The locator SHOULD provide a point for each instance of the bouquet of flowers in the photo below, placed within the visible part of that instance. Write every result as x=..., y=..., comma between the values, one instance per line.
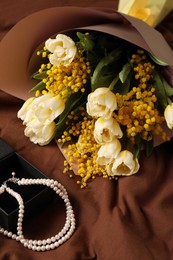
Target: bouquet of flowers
x=102, y=99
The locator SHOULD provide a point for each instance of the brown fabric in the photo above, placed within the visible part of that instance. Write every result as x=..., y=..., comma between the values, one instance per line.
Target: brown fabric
x=129, y=219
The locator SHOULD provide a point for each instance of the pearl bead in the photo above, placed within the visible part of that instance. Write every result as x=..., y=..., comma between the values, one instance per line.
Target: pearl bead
x=52, y=246
x=9, y=234
x=2, y=189
x=17, y=238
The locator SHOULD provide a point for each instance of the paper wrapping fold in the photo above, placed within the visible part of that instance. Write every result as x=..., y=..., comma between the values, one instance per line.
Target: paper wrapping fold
x=17, y=49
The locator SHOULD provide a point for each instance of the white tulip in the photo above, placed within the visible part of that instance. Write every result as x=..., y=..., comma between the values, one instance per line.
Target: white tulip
x=101, y=103
x=38, y=114
x=22, y=113
x=108, y=151
x=106, y=129
x=39, y=133
x=63, y=50
x=48, y=107
x=124, y=164
x=168, y=114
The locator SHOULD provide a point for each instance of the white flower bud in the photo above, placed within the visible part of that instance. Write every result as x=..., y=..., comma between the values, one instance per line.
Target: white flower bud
x=101, y=103
x=168, y=114
x=106, y=129
x=38, y=114
x=124, y=164
x=63, y=50
x=108, y=152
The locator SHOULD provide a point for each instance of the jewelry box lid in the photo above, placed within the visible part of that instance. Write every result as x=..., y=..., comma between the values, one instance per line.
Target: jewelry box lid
x=5, y=149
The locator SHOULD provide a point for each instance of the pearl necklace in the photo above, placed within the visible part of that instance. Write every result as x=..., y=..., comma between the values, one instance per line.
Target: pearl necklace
x=45, y=244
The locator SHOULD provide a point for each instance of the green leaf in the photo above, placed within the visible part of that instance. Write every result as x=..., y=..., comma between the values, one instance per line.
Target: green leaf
x=85, y=41
x=157, y=60
x=160, y=89
x=113, y=83
x=70, y=104
x=125, y=72
x=149, y=147
x=103, y=81
x=123, y=88
x=103, y=73
x=168, y=88
x=40, y=86
x=138, y=146
x=39, y=75
x=136, y=153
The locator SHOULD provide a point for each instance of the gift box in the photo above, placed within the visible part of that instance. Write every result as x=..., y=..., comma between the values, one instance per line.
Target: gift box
x=35, y=197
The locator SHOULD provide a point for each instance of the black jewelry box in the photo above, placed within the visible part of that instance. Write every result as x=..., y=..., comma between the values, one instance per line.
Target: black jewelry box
x=35, y=197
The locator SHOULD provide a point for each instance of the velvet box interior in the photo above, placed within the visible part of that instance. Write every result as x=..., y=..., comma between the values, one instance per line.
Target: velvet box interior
x=35, y=197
